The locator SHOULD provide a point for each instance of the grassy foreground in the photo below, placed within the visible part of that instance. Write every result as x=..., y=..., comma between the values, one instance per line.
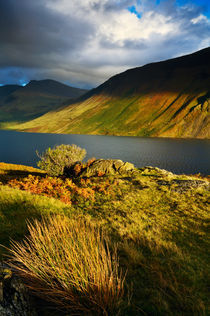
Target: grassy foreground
x=158, y=219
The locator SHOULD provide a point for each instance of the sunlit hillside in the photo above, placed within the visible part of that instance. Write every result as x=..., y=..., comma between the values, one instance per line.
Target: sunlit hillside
x=165, y=99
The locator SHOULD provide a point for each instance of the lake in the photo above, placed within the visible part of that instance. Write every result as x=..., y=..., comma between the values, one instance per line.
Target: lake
x=177, y=155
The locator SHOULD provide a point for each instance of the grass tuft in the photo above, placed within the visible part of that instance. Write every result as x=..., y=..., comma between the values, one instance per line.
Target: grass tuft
x=69, y=262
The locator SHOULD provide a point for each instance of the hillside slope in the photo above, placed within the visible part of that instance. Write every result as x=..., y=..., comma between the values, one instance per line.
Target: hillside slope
x=164, y=99
x=35, y=99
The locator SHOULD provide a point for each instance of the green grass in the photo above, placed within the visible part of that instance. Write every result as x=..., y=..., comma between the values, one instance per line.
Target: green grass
x=160, y=228
x=8, y=124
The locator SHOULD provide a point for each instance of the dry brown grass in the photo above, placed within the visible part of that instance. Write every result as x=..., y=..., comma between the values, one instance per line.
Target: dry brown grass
x=69, y=262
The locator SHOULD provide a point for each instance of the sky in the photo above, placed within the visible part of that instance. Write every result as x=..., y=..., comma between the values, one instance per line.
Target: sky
x=84, y=42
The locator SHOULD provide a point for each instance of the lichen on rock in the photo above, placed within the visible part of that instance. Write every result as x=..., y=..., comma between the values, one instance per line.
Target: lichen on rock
x=109, y=167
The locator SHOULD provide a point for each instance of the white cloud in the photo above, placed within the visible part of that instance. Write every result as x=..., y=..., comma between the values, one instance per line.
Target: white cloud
x=199, y=18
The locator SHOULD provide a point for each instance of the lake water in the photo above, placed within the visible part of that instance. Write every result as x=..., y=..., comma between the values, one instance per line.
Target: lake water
x=177, y=155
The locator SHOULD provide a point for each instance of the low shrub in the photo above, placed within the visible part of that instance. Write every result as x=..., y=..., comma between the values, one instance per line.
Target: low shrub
x=69, y=262
x=65, y=190
x=55, y=159
x=68, y=191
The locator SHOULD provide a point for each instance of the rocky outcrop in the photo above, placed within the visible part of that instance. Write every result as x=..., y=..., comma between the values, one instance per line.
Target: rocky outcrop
x=155, y=171
x=172, y=181
x=182, y=185
x=14, y=297
x=108, y=167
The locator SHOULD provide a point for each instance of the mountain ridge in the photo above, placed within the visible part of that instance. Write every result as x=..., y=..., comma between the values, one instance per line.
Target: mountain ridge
x=27, y=102
x=54, y=87
x=165, y=99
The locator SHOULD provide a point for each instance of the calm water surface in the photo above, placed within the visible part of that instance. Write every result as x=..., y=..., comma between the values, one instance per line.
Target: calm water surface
x=176, y=155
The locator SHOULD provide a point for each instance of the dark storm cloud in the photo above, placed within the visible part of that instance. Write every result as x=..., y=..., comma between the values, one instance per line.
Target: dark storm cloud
x=112, y=6
x=109, y=5
x=84, y=42
x=33, y=35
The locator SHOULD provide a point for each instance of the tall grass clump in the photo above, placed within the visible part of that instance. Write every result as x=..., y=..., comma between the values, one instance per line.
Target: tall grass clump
x=69, y=262
x=55, y=159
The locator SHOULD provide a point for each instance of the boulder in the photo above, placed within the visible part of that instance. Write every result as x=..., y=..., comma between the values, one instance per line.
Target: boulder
x=155, y=171
x=14, y=297
x=108, y=167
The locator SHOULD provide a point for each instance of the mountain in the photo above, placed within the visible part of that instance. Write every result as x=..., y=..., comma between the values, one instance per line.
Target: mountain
x=52, y=88
x=164, y=99
x=33, y=100
x=6, y=90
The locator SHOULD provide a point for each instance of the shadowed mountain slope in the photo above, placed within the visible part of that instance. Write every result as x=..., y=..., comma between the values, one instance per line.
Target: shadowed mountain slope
x=165, y=99
x=36, y=98
x=6, y=90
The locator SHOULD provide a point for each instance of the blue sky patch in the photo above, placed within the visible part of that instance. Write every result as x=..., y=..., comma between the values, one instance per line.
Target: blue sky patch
x=132, y=9
x=204, y=4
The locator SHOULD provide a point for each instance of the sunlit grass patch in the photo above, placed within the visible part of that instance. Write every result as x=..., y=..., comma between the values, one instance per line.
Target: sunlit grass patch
x=13, y=171
x=4, y=167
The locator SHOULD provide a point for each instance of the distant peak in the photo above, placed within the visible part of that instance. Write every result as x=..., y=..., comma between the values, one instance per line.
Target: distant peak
x=43, y=81
x=31, y=82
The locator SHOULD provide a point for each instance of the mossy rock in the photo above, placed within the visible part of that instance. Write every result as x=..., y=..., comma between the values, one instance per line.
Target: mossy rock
x=15, y=299
x=108, y=167
x=155, y=171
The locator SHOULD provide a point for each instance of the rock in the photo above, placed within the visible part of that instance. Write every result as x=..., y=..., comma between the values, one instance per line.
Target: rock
x=108, y=167
x=14, y=297
x=181, y=185
x=155, y=171
x=184, y=185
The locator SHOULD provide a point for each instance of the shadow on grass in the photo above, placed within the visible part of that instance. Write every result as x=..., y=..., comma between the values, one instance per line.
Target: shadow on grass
x=13, y=224
x=164, y=281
